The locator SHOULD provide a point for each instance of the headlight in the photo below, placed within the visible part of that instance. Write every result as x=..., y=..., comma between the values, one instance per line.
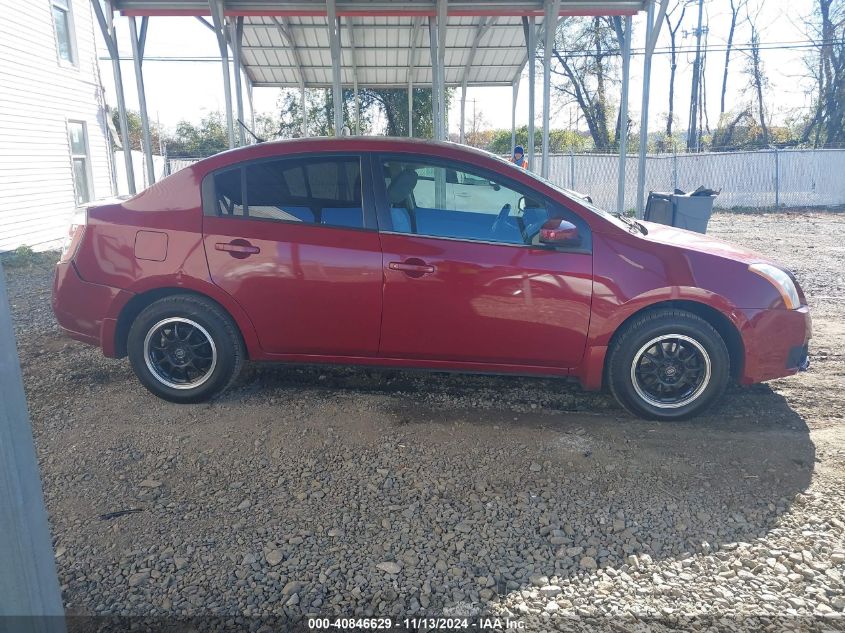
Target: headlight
x=781, y=281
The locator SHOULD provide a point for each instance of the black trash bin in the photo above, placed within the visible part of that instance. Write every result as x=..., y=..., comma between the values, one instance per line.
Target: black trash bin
x=690, y=211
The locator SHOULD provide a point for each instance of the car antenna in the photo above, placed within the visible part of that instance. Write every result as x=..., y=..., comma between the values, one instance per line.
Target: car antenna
x=251, y=133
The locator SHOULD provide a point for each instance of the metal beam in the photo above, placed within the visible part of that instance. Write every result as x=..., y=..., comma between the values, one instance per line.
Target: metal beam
x=384, y=7
x=350, y=27
x=106, y=23
x=30, y=599
x=531, y=45
x=623, y=115
x=236, y=35
x=412, y=63
x=643, y=155
x=442, y=19
x=513, y=112
x=337, y=90
x=552, y=11
x=137, y=61
x=219, y=21
x=283, y=26
x=435, y=82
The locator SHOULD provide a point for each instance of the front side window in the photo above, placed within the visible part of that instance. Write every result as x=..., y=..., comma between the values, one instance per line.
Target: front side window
x=64, y=29
x=323, y=191
x=78, y=139
x=440, y=201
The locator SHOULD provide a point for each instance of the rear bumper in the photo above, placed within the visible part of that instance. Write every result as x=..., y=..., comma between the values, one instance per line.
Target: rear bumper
x=776, y=343
x=84, y=310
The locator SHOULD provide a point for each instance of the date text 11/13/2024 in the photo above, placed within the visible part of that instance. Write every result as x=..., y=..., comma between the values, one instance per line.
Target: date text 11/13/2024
x=415, y=624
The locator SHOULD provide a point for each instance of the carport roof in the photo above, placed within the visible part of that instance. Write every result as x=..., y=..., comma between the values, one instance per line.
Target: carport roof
x=383, y=44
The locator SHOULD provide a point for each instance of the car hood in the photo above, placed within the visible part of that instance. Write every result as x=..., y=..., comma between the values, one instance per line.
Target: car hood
x=671, y=236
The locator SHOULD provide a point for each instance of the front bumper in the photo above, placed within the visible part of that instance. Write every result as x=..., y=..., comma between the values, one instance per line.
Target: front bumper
x=84, y=310
x=776, y=343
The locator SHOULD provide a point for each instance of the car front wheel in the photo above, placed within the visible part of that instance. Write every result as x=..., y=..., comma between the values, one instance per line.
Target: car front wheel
x=668, y=365
x=185, y=348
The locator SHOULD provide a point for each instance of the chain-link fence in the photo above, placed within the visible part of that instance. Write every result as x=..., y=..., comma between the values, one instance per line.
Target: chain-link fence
x=755, y=180
x=761, y=179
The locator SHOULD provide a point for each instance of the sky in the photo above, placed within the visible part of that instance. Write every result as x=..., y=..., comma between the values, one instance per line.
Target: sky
x=188, y=90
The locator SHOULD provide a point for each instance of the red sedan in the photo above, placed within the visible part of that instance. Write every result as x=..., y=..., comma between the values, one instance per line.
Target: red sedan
x=375, y=251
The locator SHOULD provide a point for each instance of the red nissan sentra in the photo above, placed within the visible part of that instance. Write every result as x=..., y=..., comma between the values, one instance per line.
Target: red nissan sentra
x=392, y=252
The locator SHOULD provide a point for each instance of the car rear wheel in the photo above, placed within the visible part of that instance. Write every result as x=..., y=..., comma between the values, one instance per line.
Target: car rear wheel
x=185, y=348
x=668, y=365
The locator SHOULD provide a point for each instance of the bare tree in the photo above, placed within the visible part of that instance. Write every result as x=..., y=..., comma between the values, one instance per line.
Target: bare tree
x=586, y=52
x=758, y=80
x=827, y=62
x=736, y=7
x=673, y=64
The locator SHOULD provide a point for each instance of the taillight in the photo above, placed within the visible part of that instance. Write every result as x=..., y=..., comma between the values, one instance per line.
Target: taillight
x=74, y=235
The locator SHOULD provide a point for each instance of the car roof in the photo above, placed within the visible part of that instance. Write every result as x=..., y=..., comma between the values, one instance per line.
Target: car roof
x=347, y=143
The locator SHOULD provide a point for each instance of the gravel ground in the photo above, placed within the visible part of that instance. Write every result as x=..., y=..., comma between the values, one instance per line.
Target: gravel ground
x=347, y=492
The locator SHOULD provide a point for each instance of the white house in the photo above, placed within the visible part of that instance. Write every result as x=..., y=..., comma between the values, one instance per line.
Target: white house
x=54, y=140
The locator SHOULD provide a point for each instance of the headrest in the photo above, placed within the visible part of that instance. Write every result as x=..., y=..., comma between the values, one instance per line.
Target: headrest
x=401, y=186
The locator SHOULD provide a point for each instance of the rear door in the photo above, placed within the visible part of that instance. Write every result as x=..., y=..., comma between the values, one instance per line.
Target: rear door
x=294, y=241
x=466, y=280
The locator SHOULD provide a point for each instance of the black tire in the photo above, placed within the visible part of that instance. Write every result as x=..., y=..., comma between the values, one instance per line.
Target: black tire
x=173, y=329
x=668, y=365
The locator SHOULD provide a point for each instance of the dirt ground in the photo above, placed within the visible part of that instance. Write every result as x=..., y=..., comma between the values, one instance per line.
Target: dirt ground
x=287, y=496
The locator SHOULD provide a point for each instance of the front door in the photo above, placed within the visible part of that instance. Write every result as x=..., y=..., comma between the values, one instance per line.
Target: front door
x=292, y=240
x=467, y=280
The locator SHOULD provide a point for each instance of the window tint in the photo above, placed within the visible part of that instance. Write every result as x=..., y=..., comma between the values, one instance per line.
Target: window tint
x=445, y=202
x=314, y=191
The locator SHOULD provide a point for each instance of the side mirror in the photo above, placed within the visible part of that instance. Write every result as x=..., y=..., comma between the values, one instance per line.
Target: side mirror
x=559, y=232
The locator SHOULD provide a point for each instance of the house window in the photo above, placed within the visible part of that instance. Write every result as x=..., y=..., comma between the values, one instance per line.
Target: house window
x=63, y=21
x=79, y=159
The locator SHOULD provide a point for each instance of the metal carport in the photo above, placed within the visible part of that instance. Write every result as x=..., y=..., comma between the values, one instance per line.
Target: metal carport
x=384, y=44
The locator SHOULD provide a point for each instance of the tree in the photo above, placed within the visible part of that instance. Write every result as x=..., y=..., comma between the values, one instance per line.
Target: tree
x=758, y=80
x=736, y=7
x=826, y=29
x=209, y=137
x=133, y=118
x=673, y=63
x=586, y=51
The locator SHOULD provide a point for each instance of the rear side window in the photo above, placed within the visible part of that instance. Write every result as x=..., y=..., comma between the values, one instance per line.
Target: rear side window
x=324, y=190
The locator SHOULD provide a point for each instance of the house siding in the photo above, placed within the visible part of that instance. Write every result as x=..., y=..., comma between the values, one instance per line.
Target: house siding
x=38, y=96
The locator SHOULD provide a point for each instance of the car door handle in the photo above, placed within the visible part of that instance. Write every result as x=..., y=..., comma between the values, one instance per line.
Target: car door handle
x=419, y=267
x=237, y=248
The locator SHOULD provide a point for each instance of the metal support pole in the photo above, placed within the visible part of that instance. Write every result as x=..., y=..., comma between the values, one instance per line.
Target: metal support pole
x=304, y=107
x=552, y=10
x=623, y=115
x=218, y=20
x=106, y=22
x=251, y=104
x=138, y=60
x=435, y=71
x=463, y=110
x=30, y=600
x=334, y=42
x=412, y=63
x=641, y=162
x=441, y=63
x=531, y=43
x=236, y=35
x=777, y=177
x=513, y=112
x=674, y=168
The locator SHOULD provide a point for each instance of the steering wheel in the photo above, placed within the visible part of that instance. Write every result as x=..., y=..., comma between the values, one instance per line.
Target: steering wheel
x=500, y=219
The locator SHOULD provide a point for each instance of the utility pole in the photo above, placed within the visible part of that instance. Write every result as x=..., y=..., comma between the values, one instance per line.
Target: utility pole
x=692, y=135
